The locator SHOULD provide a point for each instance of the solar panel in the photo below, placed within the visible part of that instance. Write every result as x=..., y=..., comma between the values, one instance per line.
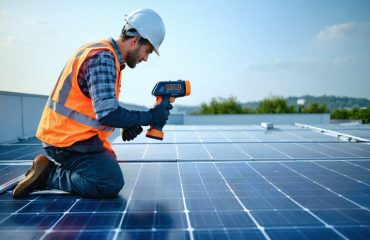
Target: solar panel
x=16, y=151
x=208, y=182
x=10, y=174
x=361, y=130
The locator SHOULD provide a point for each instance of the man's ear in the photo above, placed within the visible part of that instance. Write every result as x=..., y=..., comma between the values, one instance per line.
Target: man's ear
x=135, y=40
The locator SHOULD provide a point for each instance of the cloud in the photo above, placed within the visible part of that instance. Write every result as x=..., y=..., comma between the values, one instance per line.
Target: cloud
x=12, y=39
x=342, y=75
x=278, y=64
x=344, y=31
x=341, y=60
x=28, y=31
x=3, y=14
x=336, y=31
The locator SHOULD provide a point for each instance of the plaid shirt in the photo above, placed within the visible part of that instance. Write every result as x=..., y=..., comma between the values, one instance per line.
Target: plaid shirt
x=97, y=80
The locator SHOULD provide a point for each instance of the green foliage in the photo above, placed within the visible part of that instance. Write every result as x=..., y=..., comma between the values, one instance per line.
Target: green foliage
x=274, y=105
x=223, y=106
x=332, y=102
x=316, y=108
x=341, y=114
x=354, y=114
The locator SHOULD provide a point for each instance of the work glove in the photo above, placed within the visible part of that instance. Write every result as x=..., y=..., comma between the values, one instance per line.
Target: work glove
x=129, y=134
x=160, y=114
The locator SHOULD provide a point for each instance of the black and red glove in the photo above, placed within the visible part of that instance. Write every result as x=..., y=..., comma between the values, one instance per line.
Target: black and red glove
x=131, y=133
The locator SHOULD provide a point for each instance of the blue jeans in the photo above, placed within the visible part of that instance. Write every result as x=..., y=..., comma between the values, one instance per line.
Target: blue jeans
x=87, y=174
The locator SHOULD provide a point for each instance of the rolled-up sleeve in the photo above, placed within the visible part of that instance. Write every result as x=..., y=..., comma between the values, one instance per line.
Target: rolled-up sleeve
x=101, y=82
x=100, y=76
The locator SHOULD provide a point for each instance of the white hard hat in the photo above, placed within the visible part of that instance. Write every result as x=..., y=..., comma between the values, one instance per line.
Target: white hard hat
x=148, y=24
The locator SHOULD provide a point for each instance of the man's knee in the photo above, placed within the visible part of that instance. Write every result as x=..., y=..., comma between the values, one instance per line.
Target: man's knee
x=101, y=177
x=102, y=184
x=111, y=185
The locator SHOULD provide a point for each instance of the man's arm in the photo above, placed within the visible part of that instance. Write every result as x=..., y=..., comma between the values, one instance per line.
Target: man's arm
x=99, y=75
x=123, y=118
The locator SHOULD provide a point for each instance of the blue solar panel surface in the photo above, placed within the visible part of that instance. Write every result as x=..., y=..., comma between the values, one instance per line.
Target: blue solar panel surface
x=207, y=182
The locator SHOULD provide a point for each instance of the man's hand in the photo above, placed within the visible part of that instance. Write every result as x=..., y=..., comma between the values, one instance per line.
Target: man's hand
x=160, y=114
x=129, y=134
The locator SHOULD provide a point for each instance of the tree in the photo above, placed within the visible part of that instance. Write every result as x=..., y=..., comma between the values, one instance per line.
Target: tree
x=363, y=114
x=354, y=114
x=274, y=105
x=316, y=108
x=223, y=106
x=341, y=114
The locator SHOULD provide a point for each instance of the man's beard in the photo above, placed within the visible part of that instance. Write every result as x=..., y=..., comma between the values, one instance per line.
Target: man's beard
x=131, y=58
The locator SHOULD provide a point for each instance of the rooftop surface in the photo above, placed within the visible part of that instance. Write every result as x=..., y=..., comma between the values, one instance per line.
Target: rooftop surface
x=209, y=182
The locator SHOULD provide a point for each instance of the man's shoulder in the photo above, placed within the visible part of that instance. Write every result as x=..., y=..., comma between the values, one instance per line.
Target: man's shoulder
x=104, y=53
x=101, y=56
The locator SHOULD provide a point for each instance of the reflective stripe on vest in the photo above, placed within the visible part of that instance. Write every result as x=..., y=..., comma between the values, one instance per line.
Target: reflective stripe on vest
x=67, y=85
x=69, y=116
x=78, y=117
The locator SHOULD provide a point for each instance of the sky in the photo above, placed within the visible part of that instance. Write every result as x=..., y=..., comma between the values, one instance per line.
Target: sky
x=247, y=49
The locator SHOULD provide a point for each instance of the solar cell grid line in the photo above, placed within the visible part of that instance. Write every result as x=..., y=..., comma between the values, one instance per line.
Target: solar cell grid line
x=296, y=136
x=206, y=183
x=226, y=152
x=10, y=174
x=190, y=228
x=251, y=136
x=314, y=150
x=338, y=149
x=247, y=211
x=331, y=132
x=297, y=152
x=298, y=204
x=356, y=132
x=161, y=152
x=290, y=157
x=202, y=189
x=261, y=151
x=262, y=136
x=9, y=184
x=192, y=152
x=325, y=187
x=176, y=148
x=236, y=136
x=145, y=151
x=177, y=153
x=201, y=142
x=20, y=209
x=50, y=230
x=21, y=153
x=31, y=155
x=229, y=140
x=361, y=152
x=118, y=229
x=310, y=135
x=10, y=151
x=186, y=137
x=357, y=146
x=354, y=164
x=342, y=174
x=240, y=149
x=30, y=140
x=287, y=133
x=365, y=164
x=210, y=136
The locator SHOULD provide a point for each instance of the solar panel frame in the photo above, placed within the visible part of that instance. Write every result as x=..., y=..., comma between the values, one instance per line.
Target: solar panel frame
x=284, y=183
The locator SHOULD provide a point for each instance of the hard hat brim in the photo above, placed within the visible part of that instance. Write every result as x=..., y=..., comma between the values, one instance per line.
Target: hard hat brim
x=156, y=51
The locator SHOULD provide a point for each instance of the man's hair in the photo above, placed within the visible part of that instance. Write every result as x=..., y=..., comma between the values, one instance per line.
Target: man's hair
x=130, y=33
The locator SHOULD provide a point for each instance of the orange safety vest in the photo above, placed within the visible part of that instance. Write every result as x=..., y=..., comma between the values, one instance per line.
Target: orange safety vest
x=69, y=116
